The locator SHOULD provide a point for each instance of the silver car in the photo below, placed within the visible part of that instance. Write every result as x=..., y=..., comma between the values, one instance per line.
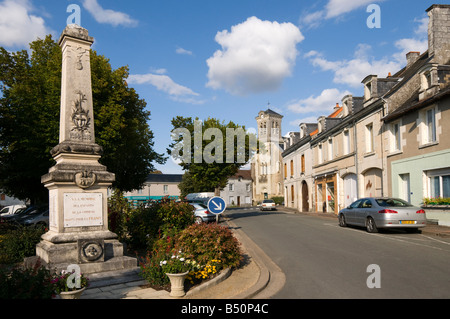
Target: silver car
x=202, y=214
x=376, y=213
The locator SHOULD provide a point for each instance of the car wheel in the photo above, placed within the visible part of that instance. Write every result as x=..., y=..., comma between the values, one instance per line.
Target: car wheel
x=371, y=226
x=198, y=220
x=342, y=222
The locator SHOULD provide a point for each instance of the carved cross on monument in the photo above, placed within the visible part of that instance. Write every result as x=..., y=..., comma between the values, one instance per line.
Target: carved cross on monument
x=78, y=183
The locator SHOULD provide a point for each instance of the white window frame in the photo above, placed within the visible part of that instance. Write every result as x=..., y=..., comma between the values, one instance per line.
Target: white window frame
x=428, y=129
x=330, y=149
x=430, y=123
x=433, y=174
x=369, y=138
x=320, y=154
x=346, y=144
x=396, y=137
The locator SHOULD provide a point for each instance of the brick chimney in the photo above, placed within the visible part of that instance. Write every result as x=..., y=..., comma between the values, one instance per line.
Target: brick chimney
x=438, y=34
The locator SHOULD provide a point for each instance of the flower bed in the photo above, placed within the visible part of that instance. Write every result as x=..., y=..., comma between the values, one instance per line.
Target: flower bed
x=436, y=201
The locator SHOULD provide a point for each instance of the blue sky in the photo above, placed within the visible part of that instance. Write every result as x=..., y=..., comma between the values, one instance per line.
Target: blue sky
x=229, y=59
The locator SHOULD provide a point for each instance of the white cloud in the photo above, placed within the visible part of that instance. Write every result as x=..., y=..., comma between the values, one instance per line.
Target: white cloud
x=108, y=16
x=352, y=72
x=183, y=51
x=333, y=9
x=18, y=27
x=419, y=43
x=165, y=84
x=256, y=56
x=323, y=103
x=336, y=8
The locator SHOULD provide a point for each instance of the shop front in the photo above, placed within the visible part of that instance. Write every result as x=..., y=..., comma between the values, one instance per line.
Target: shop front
x=326, y=194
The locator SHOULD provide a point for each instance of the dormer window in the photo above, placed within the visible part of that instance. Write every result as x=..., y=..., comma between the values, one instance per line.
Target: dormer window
x=302, y=131
x=346, y=105
x=368, y=91
x=428, y=81
x=370, y=87
x=321, y=124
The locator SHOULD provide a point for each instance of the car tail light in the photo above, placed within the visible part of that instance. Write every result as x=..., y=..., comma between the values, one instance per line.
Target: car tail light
x=421, y=211
x=206, y=212
x=387, y=211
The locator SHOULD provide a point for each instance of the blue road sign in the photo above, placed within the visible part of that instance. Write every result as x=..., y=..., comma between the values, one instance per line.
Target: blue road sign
x=217, y=205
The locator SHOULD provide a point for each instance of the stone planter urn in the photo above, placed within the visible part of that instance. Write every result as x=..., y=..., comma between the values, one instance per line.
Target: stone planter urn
x=75, y=294
x=177, y=284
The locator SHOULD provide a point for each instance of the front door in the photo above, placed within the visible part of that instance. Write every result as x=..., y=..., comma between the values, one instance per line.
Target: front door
x=405, y=190
x=305, y=197
x=349, y=189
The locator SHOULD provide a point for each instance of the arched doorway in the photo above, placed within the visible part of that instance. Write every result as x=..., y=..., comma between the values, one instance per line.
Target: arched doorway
x=372, y=182
x=305, y=197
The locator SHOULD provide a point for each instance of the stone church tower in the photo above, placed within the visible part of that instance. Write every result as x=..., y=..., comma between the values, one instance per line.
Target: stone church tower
x=266, y=165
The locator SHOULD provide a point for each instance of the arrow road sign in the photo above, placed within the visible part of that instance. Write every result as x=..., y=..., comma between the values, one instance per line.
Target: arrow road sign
x=216, y=205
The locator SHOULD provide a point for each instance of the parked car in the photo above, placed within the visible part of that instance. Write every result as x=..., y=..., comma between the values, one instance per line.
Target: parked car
x=268, y=204
x=19, y=216
x=10, y=210
x=377, y=213
x=202, y=214
x=40, y=218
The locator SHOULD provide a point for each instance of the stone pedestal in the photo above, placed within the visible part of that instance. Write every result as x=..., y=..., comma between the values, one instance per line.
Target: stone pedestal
x=77, y=183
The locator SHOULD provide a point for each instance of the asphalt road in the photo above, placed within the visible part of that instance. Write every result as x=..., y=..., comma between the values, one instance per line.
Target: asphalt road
x=322, y=260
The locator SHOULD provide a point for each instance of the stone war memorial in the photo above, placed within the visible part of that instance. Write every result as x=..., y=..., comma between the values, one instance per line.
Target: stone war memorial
x=77, y=183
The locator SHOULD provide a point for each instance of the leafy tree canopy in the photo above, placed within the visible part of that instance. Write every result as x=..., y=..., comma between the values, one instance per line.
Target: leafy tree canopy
x=209, y=157
x=30, y=89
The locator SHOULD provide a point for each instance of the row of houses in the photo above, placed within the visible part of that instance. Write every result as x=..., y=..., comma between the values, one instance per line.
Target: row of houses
x=392, y=141
x=238, y=191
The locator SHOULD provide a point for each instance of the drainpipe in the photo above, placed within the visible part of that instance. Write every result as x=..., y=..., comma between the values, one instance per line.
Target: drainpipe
x=383, y=157
x=355, y=136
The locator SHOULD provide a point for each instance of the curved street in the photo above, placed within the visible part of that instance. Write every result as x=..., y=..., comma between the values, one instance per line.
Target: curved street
x=322, y=260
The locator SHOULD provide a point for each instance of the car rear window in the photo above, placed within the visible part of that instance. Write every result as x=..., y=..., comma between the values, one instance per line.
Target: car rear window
x=392, y=202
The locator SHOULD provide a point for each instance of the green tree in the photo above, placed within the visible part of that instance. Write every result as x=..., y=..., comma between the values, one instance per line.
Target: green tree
x=210, y=152
x=30, y=89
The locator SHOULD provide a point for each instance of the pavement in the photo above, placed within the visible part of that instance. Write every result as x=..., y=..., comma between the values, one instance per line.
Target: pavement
x=258, y=277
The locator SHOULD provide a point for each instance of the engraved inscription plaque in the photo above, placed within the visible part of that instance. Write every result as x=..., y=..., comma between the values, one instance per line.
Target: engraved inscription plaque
x=83, y=209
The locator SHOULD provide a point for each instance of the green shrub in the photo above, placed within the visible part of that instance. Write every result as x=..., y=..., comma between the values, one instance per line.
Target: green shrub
x=119, y=210
x=207, y=242
x=279, y=200
x=150, y=265
x=147, y=224
x=175, y=216
x=18, y=243
x=26, y=283
x=436, y=201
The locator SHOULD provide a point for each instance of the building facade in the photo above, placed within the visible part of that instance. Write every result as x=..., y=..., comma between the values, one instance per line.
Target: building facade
x=392, y=141
x=416, y=134
x=297, y=169
x=238, y=191
x=156, y=187
x=266, y=164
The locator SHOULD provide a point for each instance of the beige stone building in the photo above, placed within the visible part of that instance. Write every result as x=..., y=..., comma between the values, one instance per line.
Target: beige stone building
x=297, y=168
x=416, y=135
x=266, y=164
